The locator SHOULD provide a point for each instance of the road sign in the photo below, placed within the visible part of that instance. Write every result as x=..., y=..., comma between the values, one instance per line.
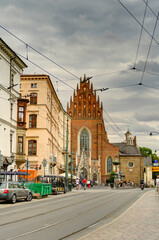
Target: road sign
x=155, y=161
x=156, y=164
x=155, y=169
x=44, y=162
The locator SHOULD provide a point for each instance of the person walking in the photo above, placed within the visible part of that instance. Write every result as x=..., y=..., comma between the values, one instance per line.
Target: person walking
x=157, y=186
x=77, y=183
x=84, y=183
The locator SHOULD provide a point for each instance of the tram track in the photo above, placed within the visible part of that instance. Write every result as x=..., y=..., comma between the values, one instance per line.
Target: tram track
x=49, y=211
x=75, y=216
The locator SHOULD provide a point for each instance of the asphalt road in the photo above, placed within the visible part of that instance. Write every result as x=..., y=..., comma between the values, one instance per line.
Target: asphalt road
x=66, y=216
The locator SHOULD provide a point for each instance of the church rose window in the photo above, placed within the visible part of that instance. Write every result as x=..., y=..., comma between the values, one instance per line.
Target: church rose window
x=84, y=141
x=130, y=164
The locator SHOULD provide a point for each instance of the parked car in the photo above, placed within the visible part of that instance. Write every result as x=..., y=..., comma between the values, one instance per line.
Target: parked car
x=12, y=191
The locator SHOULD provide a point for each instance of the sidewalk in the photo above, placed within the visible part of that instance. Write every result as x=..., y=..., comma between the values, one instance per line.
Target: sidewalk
x=139, y=222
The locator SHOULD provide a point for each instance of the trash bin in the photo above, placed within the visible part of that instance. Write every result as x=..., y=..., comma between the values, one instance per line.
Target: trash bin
x=43, y=189
x=112, y=185
x=69, y=187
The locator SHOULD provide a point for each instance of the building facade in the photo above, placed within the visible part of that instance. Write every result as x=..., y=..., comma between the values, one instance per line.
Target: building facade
x=131, y=160
x=47, y=125
x=11, y=67
x=93, y=154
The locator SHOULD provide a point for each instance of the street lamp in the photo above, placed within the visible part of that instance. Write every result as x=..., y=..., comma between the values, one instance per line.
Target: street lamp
x=116, y=162
x=151, y=133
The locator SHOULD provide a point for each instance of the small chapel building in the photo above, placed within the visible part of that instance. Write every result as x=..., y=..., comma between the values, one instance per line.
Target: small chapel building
x=93, y=154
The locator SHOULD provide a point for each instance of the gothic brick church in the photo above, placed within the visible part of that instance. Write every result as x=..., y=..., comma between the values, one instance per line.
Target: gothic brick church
x=93, y=154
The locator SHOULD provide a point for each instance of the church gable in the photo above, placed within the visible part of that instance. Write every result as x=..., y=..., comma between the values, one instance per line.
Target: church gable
x=84, y=104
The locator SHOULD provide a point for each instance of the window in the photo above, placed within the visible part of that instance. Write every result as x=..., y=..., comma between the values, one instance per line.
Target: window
x=21, y=114
x=33, y=98
x=32, y=147
x=11, y=142
x=12, y=79
x=84, y=141
x=20, y=144
x=33, y=85
x=130, y=164
x=11, y=110
x=89, y=113
x=32, y=121
x=84, y=113
x=94, y=112
x=109, y=165
x=79, y=112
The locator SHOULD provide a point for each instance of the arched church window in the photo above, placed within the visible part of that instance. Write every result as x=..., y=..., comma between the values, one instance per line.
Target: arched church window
x=84, y=142
x=109, y=165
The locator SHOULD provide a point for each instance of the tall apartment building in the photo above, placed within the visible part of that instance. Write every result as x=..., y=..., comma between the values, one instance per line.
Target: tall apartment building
x=47, y=124
x=11, y=67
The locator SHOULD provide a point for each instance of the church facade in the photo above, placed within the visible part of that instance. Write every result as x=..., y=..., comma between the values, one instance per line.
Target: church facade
x=93, y=154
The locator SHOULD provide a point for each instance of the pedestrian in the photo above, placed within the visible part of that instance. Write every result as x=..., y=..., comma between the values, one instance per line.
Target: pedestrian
x=77, y=183
x=88, y=183
x=157, y=186
x=84, y=183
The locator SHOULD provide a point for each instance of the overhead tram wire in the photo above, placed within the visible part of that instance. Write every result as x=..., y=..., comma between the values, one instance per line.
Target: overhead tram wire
x=105, y=74
x=140, y=35
x=104, y=118
x=137, y=21
x=149, y=49
x=113, y=128
x=27, y=45
x=151, y=73
x=45, y=71
x=150, y=8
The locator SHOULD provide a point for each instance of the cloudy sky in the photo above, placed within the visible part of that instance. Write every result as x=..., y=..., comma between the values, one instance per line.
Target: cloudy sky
x=103, y=39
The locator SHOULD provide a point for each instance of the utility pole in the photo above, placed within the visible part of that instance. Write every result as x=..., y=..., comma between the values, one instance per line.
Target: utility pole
x=27, y=166
x=71, y=165
x=1, y=163
x=83, y=162
x=66, y=168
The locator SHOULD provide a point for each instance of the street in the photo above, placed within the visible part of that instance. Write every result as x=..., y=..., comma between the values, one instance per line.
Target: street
x=65, y=216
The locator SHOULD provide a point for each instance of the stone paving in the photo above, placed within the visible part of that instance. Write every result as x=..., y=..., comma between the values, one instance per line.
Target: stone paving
x=139, y=222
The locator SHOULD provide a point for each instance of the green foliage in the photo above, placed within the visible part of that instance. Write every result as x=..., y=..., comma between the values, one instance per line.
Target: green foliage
x=148, y=152
x=145, y=151
x=112, y=176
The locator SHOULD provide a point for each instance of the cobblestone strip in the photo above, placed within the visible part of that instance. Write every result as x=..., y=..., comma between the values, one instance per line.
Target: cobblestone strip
x=139, y=222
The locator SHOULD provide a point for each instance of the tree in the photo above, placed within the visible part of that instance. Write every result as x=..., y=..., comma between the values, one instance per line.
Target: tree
x=145, y=151
x=112, y=176
x=148, y=152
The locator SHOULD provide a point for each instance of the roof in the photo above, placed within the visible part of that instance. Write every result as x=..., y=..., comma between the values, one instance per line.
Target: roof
x=129, y=150
x=5, y=48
